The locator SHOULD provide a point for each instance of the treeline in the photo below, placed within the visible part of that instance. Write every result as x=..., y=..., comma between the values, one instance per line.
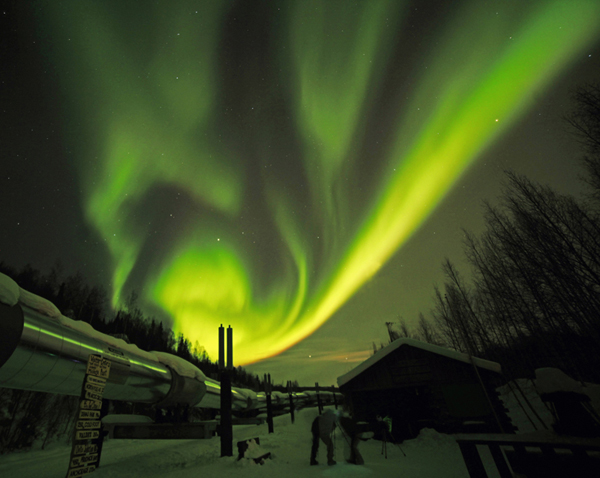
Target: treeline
x=533, y=298
x=29, y=416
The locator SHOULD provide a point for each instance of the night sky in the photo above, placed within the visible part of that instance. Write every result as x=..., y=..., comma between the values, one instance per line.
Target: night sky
x=295, y=169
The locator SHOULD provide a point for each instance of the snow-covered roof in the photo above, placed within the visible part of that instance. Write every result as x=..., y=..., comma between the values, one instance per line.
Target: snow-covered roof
x=548, y=380
x=436, y=349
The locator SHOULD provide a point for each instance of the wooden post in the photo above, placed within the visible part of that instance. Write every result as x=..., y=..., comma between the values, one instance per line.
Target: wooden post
x=103, y=433
x=85, y=453
x=289, y=387
x=269, y=404
x=335, y=404
x=472, y=460
x=319, y=404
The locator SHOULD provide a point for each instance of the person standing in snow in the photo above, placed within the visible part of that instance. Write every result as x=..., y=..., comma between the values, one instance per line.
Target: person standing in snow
x=322, y=427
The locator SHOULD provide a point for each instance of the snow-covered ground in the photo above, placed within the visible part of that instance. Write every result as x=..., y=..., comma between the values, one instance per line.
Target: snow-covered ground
x=430, y=455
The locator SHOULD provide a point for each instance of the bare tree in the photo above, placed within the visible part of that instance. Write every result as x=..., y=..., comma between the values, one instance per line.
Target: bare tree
x=585, y=123
x=427, y=331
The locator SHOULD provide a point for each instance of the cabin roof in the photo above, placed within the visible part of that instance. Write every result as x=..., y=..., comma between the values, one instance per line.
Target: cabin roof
x=436, y=349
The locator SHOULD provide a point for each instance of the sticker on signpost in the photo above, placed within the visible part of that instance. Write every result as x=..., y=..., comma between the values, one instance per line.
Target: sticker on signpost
x=94, y=360
x=92, y=387
x=85, y=449
x=97, y=371
x=77, y=472
x=89, y=415
x=96, y=380
x=91, y=404
x=98, y=366
x=88, y=424
x=87, y=434
x=92, y=396
x=84, y=460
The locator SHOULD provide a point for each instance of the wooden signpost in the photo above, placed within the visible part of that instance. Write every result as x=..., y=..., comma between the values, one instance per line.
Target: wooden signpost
x=85, y=454
x=319, y=403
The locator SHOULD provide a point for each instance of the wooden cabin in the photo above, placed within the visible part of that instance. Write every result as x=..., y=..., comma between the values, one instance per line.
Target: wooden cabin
x=422, y=385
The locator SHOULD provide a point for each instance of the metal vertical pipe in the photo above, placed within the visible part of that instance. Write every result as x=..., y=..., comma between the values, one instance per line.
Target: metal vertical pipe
x=229, y=348
x=225, y=426
x=221, y=347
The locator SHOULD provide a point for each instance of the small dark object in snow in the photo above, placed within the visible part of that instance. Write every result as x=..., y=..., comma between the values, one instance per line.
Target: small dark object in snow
x=261, y=459
x=243, y=446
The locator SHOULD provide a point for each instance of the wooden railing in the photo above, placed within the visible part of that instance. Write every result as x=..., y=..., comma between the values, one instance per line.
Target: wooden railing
x=547, y=456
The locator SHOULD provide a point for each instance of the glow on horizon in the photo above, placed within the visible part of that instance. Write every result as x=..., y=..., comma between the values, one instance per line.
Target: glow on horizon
x=157, y=130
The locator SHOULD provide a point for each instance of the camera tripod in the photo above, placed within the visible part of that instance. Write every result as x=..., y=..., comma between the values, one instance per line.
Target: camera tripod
x=384, y=443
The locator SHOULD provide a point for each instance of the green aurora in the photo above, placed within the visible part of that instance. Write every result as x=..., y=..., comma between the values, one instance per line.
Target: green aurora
x=257, y=195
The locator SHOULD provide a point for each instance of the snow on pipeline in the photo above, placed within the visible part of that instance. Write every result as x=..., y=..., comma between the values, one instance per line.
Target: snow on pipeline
x=431, y=454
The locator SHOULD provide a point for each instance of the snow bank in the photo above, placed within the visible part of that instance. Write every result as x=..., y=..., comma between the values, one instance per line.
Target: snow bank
x=548, y=380
x=248, y=394
x=430, y=455
x=35, y=302
x=9, y=290
x=279, y=397
x=87, y=329
x=181, y=366
x=525, y=407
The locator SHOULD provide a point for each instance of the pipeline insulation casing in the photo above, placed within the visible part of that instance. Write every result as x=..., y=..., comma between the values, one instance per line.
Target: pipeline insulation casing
x=39, y=354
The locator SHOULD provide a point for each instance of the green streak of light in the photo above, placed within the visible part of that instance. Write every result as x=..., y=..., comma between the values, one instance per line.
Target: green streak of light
x=338, y=52
x=465, y=112
x=150, y=106
x=207, y=286
x=152, y=115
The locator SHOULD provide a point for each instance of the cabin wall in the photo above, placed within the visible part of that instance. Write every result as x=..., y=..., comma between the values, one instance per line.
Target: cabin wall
x=417, y=389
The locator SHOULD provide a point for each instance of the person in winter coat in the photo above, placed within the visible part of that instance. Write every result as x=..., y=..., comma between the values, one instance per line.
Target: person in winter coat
x=322, y=427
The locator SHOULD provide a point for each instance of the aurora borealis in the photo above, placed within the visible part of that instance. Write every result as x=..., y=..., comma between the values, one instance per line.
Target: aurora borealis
x=254, y=164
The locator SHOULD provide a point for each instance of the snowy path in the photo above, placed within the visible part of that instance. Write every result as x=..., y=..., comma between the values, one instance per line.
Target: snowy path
x=429, y=455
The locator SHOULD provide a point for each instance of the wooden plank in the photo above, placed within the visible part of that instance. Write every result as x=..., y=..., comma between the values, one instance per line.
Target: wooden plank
x=500, y=461
x=524, y=441
x=472, y=460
